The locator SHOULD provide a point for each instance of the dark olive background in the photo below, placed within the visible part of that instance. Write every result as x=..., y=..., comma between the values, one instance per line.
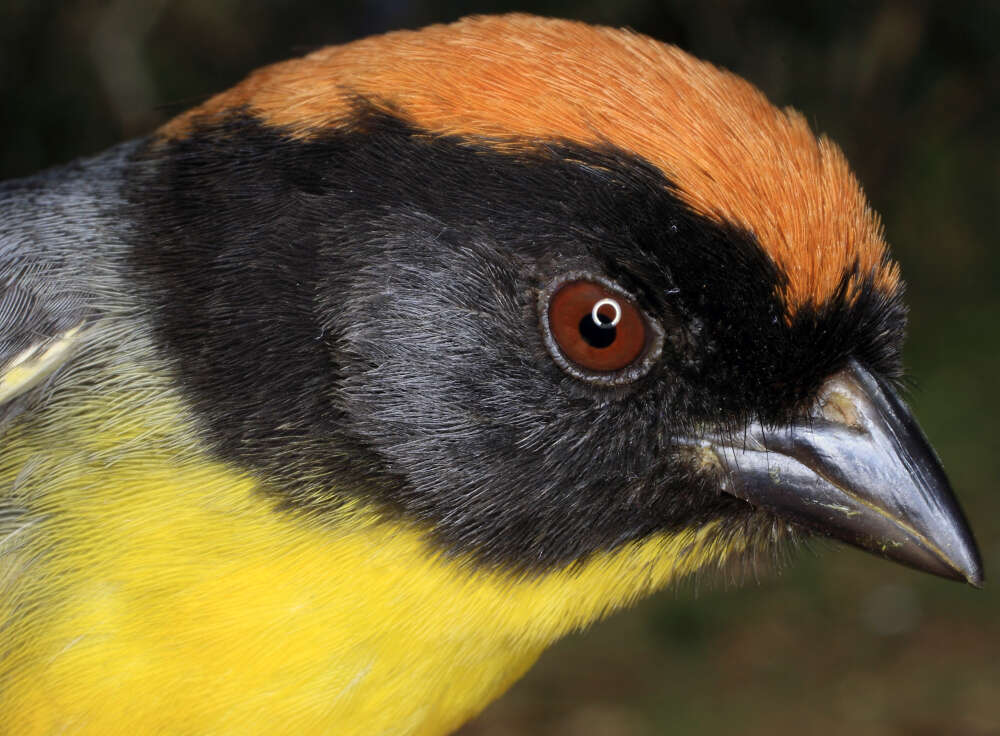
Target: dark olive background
x=838, y=641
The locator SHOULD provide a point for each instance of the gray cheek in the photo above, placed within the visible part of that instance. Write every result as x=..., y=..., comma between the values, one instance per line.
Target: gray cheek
x=439, y=354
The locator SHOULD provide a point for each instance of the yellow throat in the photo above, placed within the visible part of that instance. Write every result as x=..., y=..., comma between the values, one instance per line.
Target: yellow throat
x=152, y=589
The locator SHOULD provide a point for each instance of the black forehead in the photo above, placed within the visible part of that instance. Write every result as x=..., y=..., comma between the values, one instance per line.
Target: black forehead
x=234, y=216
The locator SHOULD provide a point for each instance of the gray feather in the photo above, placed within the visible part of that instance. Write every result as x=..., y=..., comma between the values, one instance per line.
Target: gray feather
x=59, y=243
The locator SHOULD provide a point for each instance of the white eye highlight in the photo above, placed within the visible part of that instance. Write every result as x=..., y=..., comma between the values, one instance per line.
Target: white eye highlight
x=601, y=320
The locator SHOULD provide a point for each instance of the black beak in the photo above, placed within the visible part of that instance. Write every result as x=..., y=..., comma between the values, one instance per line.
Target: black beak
x=858, y=469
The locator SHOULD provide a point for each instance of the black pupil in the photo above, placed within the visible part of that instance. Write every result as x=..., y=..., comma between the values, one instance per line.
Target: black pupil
x=598, y=335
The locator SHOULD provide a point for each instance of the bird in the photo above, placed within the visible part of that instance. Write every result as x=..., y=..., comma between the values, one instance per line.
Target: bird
x=329, y=405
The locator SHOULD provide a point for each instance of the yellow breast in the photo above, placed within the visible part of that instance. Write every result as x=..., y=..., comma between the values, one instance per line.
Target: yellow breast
x=155, y=590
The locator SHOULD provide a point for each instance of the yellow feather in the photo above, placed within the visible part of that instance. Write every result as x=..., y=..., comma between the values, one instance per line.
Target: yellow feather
x=157, y=590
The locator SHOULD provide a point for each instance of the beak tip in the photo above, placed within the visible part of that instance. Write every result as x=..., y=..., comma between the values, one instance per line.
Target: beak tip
x=964, y=567
x=959, y=561
x=974, y=575
x=968, y=562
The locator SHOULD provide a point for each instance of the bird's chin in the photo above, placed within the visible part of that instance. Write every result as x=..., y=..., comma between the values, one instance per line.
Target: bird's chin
x=857, y=468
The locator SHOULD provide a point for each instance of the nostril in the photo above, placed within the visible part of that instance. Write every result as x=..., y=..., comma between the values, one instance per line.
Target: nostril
x=838, y=408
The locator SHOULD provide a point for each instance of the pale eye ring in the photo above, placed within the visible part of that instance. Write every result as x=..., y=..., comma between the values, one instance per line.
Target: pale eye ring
x=595, y=331
x=601, y=320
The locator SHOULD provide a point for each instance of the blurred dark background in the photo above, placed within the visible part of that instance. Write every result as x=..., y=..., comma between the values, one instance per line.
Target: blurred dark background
x=839, y=641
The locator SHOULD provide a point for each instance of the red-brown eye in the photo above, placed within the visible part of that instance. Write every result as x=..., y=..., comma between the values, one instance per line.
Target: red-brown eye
x=595, y=327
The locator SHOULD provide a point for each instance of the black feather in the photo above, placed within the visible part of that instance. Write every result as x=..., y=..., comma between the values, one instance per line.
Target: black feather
x=355, y=315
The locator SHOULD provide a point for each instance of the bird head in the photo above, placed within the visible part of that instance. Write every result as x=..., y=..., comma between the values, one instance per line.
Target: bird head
x=542, y=291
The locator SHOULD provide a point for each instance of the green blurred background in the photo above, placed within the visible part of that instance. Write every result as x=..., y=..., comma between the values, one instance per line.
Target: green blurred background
x=839, y=641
